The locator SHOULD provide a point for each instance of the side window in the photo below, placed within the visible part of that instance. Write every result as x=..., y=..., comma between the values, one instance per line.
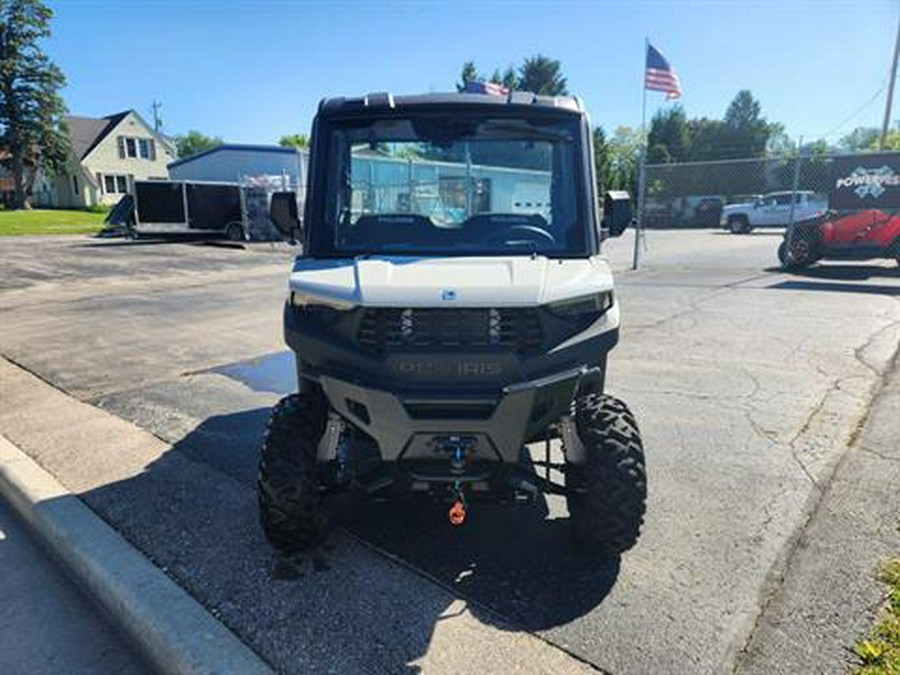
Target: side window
x=783, y=200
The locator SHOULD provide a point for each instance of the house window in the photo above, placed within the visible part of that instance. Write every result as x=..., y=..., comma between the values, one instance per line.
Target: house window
x=113, y=185
x=144, y=147
x=75, y=184
x=131, y=147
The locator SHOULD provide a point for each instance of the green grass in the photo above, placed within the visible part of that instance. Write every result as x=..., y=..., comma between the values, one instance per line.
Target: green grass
x=39, y=221
x=880, y=651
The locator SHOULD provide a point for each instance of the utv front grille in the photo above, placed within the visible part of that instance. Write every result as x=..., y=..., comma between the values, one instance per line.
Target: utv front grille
x=515, y=328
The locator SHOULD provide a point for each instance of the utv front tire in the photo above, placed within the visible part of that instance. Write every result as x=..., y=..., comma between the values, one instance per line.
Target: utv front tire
x=290, y=503
x=799, y=255
x=608, y=493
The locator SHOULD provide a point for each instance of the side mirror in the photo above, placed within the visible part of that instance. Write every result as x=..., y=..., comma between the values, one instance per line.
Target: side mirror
x=617, y=213
x=283, y=214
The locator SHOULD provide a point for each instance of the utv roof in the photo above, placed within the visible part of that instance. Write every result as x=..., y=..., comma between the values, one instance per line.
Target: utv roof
x=386, y=102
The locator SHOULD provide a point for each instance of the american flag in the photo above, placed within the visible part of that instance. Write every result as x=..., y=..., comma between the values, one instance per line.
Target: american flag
x=478, y=87
x=660, y=76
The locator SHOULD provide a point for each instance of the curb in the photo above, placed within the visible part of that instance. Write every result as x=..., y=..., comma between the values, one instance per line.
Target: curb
x=170, y=629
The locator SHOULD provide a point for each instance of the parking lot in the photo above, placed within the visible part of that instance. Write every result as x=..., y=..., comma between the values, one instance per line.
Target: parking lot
x=749, y=385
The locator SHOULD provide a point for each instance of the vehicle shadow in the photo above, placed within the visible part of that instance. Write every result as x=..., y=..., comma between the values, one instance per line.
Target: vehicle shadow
x=837, y=287
x=754, y=233
x=513, y=564
x=843, y=272
x=839, y=278
x=511, y=560
x=158, y=241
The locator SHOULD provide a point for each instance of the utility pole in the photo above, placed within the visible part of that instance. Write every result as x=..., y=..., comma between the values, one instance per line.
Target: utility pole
x=157, y=120
x=890, y=92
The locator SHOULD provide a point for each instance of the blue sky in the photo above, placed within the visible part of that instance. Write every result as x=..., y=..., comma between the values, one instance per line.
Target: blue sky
x=250, y=71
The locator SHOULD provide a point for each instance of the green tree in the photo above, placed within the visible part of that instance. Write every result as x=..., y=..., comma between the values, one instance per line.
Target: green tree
x=510, y=80
x=706, y=138
x=542, y=75
x=469, y=74
x=892, y=142
x=623, y=150
x=780, y=144
x=601, y=160
x=861, y=138
x=746, y=131
x=31, y=108
x=669, y=137
x=194, y=141
x=300, y=141
x=539, y=74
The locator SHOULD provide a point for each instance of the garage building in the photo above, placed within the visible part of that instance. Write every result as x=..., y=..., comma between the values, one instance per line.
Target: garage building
x=234, y=163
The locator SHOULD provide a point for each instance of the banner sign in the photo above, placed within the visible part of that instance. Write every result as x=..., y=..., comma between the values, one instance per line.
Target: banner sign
x=861, y=182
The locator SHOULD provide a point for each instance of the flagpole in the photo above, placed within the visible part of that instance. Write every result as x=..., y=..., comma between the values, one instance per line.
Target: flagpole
x=639, y=221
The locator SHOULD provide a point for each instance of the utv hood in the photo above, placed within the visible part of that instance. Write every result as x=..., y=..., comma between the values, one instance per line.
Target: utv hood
x=519, y=281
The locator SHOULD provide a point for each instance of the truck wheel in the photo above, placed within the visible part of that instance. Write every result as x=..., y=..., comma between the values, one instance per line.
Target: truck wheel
x=608, y=493
x=738, y=225
x=290, y=503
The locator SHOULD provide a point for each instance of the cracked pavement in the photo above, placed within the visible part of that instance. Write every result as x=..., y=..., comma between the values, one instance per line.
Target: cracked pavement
x=748, y=384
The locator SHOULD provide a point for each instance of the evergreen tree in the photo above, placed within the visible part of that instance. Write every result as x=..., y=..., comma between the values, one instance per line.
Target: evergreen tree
x=746, y=131
x=601, y=160
x=669, y=138
x=542, y=75
x=31, y=107
x=469, y=74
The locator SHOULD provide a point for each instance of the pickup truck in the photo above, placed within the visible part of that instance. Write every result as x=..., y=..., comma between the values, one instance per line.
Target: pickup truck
x=771, y=210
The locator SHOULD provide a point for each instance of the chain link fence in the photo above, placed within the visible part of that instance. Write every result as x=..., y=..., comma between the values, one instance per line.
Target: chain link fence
x=739, y=194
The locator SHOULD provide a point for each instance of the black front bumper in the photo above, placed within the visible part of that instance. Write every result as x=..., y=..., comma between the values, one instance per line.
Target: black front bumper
x=410, y=399
x=417, y=427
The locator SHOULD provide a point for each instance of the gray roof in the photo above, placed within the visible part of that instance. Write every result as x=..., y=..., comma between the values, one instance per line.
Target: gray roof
x=86, y=132
x=388, y=102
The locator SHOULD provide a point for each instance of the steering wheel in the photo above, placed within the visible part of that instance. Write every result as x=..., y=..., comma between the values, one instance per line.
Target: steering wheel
x=519, y=233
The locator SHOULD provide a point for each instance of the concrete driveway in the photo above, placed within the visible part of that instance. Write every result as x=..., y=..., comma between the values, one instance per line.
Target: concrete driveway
x=748, y=384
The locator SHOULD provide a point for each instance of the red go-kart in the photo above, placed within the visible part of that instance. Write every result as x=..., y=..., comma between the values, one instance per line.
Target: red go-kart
x=861, y=235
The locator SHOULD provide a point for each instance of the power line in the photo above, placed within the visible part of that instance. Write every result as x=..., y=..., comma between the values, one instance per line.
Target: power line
x=857, y=111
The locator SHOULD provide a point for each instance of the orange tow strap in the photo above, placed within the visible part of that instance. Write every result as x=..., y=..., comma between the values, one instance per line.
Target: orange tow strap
x=457, y=513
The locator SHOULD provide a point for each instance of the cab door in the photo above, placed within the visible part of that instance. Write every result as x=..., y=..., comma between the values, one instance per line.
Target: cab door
x=780, y=211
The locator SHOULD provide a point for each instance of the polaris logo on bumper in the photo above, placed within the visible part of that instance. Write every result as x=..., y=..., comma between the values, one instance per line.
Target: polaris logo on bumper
x=424, y=367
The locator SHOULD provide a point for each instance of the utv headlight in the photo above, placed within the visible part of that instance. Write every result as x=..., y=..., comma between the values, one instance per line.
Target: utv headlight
x=326, y=311
x=585, y=308
x=302, y=300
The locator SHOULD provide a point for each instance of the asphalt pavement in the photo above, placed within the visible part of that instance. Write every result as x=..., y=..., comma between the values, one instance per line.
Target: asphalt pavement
x=749, y=386
x=47, y=626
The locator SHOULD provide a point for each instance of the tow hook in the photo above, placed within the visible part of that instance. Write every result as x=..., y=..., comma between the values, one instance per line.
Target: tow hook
x=458, y=510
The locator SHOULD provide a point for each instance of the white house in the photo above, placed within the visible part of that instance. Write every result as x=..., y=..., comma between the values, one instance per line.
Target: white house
x=107, y=155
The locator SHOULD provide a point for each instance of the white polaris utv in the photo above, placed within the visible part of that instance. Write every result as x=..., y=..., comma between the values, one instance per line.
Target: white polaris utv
x=449, y=308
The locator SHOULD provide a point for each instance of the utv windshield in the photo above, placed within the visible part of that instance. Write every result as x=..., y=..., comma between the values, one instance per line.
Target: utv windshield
x=452, y=185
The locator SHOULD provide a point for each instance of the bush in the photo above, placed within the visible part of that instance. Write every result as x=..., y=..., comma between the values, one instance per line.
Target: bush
x=99, y=208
